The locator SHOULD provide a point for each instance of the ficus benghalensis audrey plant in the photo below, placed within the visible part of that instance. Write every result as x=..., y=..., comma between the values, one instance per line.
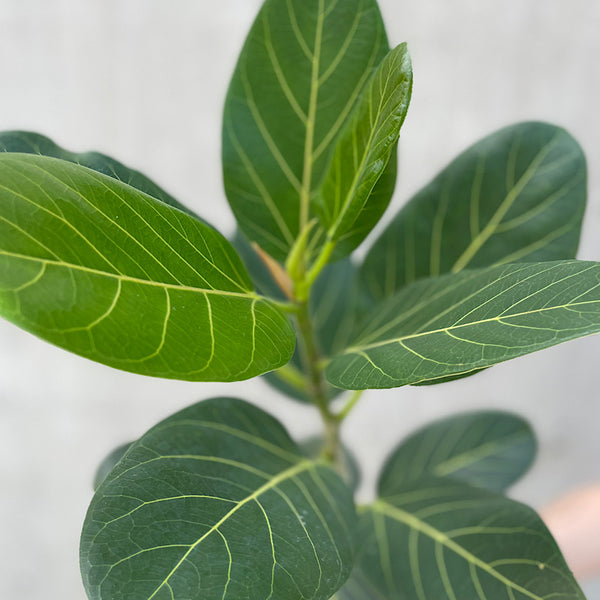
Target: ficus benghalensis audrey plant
x=217, y=502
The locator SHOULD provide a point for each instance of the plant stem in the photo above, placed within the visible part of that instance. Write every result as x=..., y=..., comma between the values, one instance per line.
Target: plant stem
x=303, y=287
x=352, y=401
x=316, y=384
x=292, y=376
x=286, y=307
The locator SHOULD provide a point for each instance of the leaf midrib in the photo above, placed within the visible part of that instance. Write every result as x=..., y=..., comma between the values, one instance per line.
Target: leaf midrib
x=311, y=120
x=470, y=457
x=121, y=277
x=400, y=339
x=486, y=233
x=413, y=522
x=272, y=483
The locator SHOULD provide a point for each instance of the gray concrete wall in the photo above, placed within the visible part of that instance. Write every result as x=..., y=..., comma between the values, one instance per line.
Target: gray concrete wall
x=144, y=81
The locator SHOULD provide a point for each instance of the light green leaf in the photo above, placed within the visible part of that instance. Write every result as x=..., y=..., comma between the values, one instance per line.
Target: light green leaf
x=518, y=195
x=458, y=323
x=108, y=464
x=101, y=269
x=298, y=78
x=364, y=148
x=28, y=142
x=217, y=503
x=488, y=449
x=445, y=540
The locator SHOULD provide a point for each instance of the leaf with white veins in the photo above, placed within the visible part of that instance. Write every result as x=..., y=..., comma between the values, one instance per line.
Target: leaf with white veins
x=217, y=503
x=459, y=323
x=99, y=268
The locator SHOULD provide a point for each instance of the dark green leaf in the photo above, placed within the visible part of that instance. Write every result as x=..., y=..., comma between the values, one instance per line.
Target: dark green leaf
x=364, y=148
x=518, y=195
x=458, y=323
x=349, y=467
x=28, y=142
x=449, y=378
x=101, y=269
x=217, y=503
x=108, y=464
x=299, y=76
x=488, y=449
x=335, y=305
x=445, y=540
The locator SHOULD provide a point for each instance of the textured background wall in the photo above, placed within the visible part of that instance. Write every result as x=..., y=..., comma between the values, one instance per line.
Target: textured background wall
x=144, y=81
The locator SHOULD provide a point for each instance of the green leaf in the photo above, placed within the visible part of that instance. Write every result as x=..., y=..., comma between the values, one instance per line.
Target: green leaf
x=364, y=149
x=335, y=305
x=28, y=142
x=108, y=464
x=458, y=323
x=487, y=449
x=518, y=195
x=449, y=378
x=101, y=269
x=445, y=540
x=349, y=467
x=299, y=76
x=217, y=503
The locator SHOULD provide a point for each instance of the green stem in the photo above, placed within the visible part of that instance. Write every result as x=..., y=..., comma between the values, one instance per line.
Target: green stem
x=352, y=401
x=303, y=287
x=286, y=307
x=316, y=384
x=292, y=376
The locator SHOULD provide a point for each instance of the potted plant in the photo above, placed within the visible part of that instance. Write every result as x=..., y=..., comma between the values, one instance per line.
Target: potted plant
x=217, y=501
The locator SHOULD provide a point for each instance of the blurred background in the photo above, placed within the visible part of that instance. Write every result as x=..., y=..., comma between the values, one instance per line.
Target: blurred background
x=144, y=81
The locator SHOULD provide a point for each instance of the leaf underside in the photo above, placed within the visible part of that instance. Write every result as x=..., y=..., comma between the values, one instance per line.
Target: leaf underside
x=97, y=267
x=297, y=81
x=487, y=449
x=459, y=323
x=517, y=195
x=444, y=539
x=217, y=503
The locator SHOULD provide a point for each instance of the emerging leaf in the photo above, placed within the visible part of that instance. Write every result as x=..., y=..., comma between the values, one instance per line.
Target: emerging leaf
x=364, y=149
x=487, y=449
x=259, y=273
x=101, y=269
x=458, y=323
x=335, y=306
x=217, y=503
x=299, y=76
x=445, y=540
x=518, y=195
